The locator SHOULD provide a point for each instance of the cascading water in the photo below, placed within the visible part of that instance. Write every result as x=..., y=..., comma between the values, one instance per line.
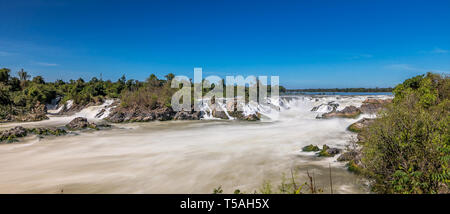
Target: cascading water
x=273, y=107
x=186, y=156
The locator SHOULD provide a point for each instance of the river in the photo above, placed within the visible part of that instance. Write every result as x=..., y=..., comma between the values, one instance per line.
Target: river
x=184, y=156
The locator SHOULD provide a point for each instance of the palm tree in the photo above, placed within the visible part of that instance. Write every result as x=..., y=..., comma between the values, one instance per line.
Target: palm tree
x=23, y=76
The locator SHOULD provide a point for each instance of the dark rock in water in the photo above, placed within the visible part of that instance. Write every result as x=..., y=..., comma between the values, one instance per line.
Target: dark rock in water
x=328, y=152
x=347, y=112
x=333, y=151
x=48, y=131
x=116, y=117
x=331, y=106
x=99, y=114
x=80, y=123
x=218, y=113
x=310, y=148
x=360, y=124
x=372, y=106
x=164, y=113
x=13, y=133
x=184, y=115
x=252, y=117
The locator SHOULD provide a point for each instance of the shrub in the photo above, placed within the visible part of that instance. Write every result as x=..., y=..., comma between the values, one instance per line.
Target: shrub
x=407, y=149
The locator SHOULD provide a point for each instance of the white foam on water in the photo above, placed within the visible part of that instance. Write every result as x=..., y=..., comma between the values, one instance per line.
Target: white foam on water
x=187, y=156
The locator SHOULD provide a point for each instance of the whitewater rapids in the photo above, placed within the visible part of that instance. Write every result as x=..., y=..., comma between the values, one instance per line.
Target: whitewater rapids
x=184, y=156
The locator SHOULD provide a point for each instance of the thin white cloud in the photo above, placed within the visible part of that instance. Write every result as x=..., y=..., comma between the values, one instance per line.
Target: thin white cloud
x=435, y=51
x=407, y=67
x=361, y=56
x=439, y=51
x=402, y=67
x=46, y=64
x=4, y=53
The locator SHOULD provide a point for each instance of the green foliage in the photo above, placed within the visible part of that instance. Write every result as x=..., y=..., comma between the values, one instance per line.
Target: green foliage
x=287, y=186
x=407, y=149
x=154, y=93
x=353, y=167
x=19, y=96
x=4, y=75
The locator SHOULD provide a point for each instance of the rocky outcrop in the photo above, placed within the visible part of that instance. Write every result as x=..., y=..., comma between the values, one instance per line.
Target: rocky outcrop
x=48, y=131
x=252, y=117
x=360, y=124
x=328, y=152
x=347, y=112
x=373, y=106
x=369, y=106
x=188, y=115
x=80, y=123
x=137, y=114
x=9, y=135
x=331, y=106
x=350, y=155
x=353, y=159
x=37, y=113
x=310, y=148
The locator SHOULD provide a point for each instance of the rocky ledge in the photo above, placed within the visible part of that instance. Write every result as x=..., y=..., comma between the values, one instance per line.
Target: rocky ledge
x=347, y=112
x=372, y=106
x=11, y=135
x=79, y=123
x=140, y=114
x=369, y=106
x=326, y=151
x=163, y=113
x=359, y=125
x=37, y=113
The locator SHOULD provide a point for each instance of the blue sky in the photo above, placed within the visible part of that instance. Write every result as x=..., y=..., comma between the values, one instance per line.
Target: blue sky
x=309, y=44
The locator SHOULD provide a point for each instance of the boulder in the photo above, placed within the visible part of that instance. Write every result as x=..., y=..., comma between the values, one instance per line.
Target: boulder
x=48, y=131
x=164, y=113
x=372, y=106
x=347, y=112
x=331, y=106
x=359, y=125
x=252, y=117
x=80, y=123
x=218, y=113
x=328, y=152
x=15, y=132
x=348, y=156
x=310, y=148
x=185, y=115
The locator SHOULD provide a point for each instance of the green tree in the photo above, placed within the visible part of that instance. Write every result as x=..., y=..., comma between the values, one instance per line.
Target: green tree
x=4, y=75
x=38, y=80
x=407, y=149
